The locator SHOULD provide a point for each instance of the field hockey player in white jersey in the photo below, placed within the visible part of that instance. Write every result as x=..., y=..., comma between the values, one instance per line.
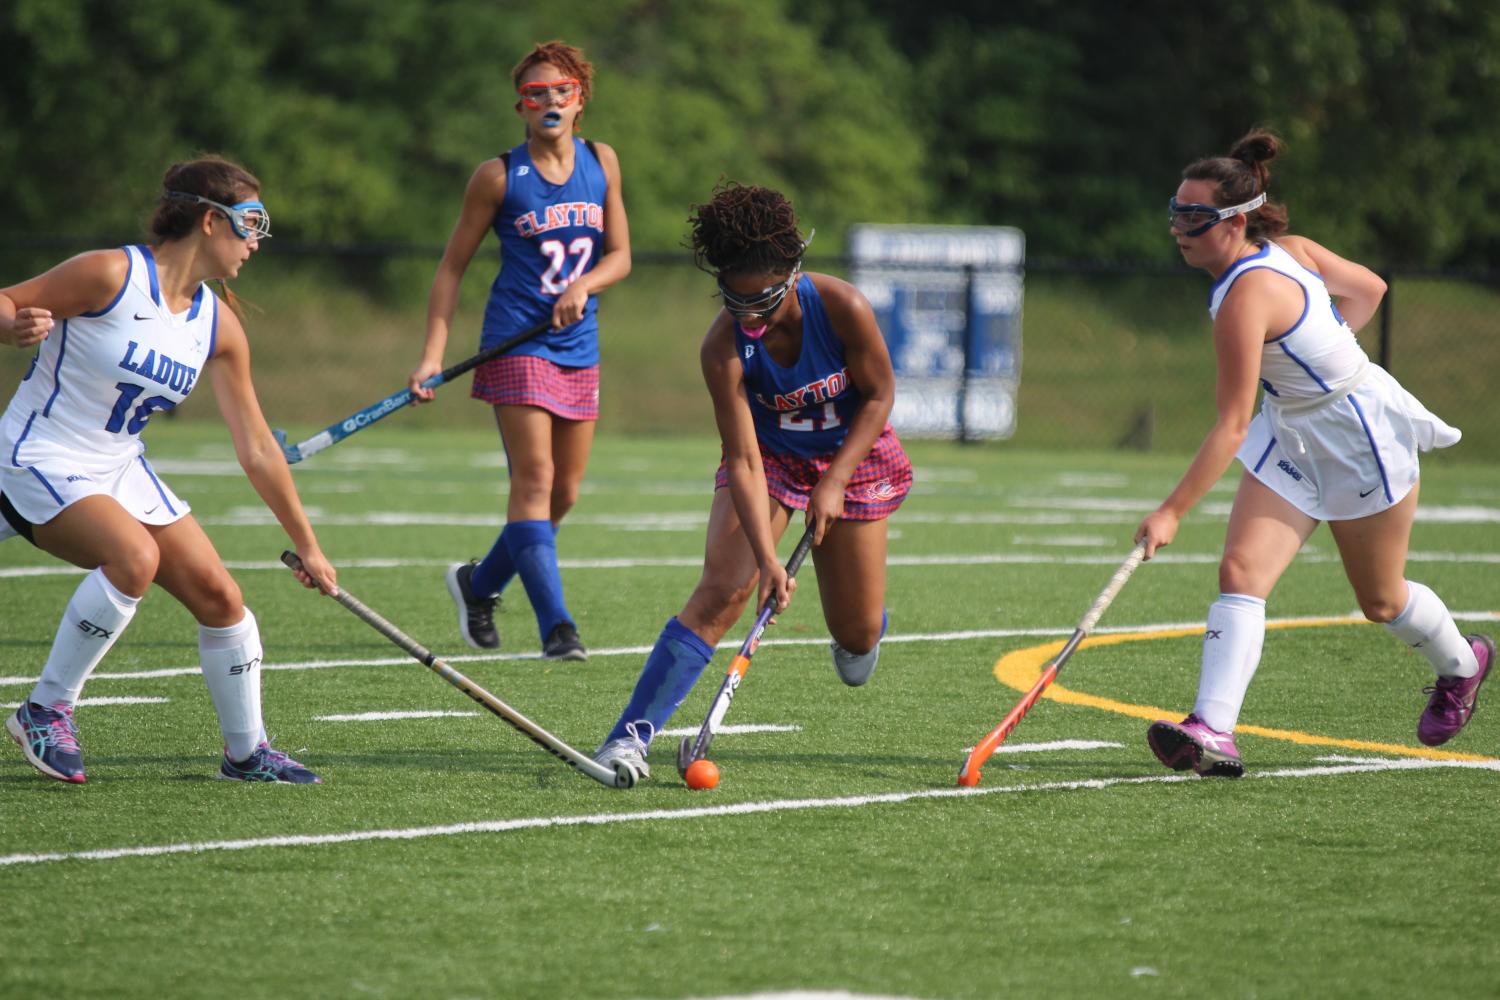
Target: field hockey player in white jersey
x=1336, y=439
x=119, y=335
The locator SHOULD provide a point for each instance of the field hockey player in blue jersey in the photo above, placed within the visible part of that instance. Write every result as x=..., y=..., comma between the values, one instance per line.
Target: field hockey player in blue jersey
x=119, y=335
x=554, y=201
x=1336, y=439
x=802, y=387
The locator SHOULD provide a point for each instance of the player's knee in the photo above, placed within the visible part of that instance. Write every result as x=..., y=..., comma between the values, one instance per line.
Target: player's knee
x=533, y=491
x=564, y=496
x=133, y=566
x=719, y=602
x=1380, y=608
x=217, y=602
x=1237, y=573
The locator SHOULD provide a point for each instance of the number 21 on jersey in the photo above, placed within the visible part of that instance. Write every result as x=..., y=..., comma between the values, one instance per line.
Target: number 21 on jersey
x=809, y=419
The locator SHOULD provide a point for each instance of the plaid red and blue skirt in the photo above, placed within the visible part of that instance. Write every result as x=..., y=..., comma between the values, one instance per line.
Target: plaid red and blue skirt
x=876, y=489
x=524, y=380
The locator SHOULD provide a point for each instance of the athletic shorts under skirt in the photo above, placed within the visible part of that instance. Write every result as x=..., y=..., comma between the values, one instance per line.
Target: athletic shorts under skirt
x=39, y=492
x=523, y=380
x=1351, y=459
x=876, y=489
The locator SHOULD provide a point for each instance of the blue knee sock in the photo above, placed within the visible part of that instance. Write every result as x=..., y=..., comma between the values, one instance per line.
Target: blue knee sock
x=533, y=551
x=674, y=666
x=495, y=570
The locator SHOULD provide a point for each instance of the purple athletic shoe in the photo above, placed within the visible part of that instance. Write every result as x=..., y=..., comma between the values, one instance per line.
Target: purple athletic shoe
x=50, y=740
x=1191, y=744
x=267, y=764
x=1452, y=702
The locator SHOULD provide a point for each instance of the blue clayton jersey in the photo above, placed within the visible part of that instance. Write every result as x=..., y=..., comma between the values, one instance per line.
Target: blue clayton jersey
x=98, y=377
x=550, y=234
x=803, y=409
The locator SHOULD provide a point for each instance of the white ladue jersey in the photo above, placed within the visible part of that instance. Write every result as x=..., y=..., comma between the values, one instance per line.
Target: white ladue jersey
x=98, y=377
x=1336, y=436
x=1316, y=356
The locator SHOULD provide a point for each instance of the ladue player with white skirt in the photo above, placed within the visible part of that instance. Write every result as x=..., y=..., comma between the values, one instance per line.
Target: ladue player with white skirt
x=119, y=335
x=1336, y=440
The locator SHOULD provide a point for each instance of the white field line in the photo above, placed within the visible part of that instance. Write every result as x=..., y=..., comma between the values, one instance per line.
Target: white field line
x=1109, y=558
x=728, y=644
x=1054, y=745
x=1012, y=510
x=734, y=730
x=107, y=700
x=708, y=812
x=392, y=716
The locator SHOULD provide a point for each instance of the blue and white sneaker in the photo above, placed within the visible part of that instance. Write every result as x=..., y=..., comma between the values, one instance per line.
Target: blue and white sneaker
x=49, y=738
x=267, y=764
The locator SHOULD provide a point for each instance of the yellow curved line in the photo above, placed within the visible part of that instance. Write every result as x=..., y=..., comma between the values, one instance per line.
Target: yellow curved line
x=1020, y=670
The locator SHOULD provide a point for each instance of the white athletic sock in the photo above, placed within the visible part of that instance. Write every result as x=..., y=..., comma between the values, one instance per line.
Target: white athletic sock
x=1232, y=642
x=94, y=619
x=231, y=667
x=1426, y=626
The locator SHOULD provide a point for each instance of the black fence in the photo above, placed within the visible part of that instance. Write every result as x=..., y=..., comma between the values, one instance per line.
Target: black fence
x=1113, y=355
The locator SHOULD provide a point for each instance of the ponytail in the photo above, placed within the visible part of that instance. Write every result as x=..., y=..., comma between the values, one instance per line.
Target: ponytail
x=1240, y=176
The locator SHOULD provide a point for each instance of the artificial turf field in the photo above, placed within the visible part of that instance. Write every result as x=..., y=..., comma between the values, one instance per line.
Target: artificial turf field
x=446, y=856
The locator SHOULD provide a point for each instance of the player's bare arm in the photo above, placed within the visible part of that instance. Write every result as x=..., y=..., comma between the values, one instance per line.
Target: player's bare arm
x=1258, y=304
x=614, y=262
x=870, y=370
x=724, y=377
x=85, y=283
x=258, y=453
x=1356, y=289
x=482, y=198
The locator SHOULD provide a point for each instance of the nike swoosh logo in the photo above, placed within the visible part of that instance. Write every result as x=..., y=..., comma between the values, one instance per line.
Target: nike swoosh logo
x=140, y=317
x=153, y=510
x=1367, y=492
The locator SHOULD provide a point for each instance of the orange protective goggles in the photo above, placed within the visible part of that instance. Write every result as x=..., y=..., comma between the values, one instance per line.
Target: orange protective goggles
x=550, y=93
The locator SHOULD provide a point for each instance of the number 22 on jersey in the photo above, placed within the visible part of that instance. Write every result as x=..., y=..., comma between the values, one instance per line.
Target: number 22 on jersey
x=581, y=248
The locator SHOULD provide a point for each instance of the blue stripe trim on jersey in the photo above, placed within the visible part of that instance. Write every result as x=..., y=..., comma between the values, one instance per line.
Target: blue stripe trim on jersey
x=43, y=480
x=15, y=455
x=156, y=482
x=1385, y=482
x=213, y=327
x=1305, y=367
x=197, y=301
x=62, y=348
x=1264, y=455
x=1230, y=274
x=151, y=272
x=129, y=270
x=1306, y=305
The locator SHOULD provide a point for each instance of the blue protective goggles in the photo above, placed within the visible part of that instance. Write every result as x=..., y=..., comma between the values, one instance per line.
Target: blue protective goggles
x=247, y=218
x=1191, y=219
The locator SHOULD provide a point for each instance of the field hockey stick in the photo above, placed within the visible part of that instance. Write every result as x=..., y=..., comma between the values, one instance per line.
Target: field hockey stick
x=968, y=775
x=619, y=777
x=690, y=750
x=355, y=422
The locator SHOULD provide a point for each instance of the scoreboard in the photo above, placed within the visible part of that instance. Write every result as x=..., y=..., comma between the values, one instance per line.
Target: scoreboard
x=948, y=299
